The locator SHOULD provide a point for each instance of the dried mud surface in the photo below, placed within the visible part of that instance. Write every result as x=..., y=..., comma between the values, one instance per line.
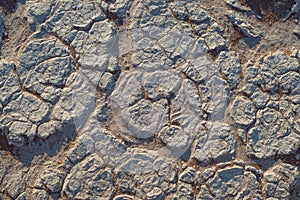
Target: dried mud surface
x=143, y=99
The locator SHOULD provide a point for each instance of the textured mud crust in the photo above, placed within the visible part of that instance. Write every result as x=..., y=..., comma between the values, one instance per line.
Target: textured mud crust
x=149, y=100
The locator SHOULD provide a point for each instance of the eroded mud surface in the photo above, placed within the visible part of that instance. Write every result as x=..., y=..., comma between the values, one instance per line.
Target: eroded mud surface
x=149, y=99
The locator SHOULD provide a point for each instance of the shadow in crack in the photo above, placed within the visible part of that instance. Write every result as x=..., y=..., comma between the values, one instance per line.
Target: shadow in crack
x=49, y=146
x=10, y=6
x=266, y=163
x=3, y=143
x=270, y=10
x=251, y=41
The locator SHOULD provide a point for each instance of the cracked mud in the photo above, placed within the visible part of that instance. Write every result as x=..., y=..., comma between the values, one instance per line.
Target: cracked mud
x=146, y=99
